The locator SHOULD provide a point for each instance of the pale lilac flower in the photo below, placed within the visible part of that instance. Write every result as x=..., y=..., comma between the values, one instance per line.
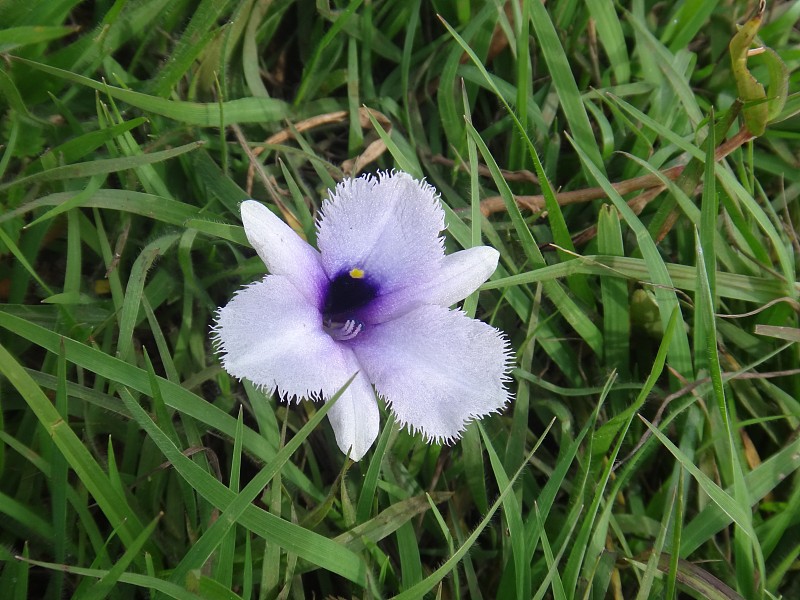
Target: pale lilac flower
x=374, y=301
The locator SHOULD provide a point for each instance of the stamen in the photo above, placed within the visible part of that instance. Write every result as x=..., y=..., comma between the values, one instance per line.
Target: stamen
x=343, y=331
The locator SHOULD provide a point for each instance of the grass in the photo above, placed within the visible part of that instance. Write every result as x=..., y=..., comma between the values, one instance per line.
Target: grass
x=639, y=181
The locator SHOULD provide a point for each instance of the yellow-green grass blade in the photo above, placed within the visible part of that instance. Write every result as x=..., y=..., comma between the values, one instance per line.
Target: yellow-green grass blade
x=694, y=577
x=99, y=166
x=241, y=110
x=729, y=285
x=16, y=37
x=388, y=521
x=163, y=209
x=83, y=145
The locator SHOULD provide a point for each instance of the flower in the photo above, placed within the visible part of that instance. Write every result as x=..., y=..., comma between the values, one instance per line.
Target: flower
x=373, y=301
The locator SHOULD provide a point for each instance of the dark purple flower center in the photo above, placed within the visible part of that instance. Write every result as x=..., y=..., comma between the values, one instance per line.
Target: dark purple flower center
x=348, y=292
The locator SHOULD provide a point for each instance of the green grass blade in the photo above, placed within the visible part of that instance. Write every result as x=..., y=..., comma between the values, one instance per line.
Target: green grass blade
x=176, y=396
x=680, y=356
x=242, y=110
x=202, y=549
x=114, y=505
x=108, y=582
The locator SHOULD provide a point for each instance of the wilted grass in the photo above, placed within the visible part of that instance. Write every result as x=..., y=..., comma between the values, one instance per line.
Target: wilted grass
x=647, y=282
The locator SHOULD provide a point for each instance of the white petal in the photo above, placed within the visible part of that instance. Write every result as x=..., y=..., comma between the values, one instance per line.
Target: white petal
x=459, y=274
x=388, y=227
x=355, y=417
x=283, y=251
x=436, y=368
x=272, y=335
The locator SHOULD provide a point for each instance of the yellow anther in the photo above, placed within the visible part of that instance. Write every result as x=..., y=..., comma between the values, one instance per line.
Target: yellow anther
x=356, y=273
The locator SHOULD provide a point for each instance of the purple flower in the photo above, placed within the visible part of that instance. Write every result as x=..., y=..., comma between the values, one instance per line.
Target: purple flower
x=374, y=301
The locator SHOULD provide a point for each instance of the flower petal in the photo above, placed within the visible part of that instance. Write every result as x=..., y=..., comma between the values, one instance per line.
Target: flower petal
x=459, y=274
x=436, y=368
x=355, y=417
x=270, y=334
x=283, y=251
x=387, y=227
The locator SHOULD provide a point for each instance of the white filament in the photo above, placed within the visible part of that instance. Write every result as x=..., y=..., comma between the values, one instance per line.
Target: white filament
x=344, y=331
